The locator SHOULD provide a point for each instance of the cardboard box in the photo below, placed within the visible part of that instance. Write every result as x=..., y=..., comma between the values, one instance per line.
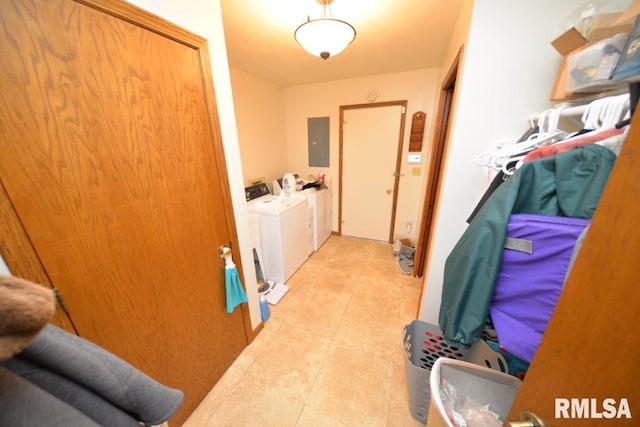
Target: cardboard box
x=606, y=26
x=569, y=41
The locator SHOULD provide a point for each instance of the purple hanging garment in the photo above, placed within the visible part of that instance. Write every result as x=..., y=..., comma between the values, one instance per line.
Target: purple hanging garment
x=537, y=252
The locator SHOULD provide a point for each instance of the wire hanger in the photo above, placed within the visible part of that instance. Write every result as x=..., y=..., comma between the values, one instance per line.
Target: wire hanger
x=599, y=116
x=606, y=112
x=499, y=157
x=550, y=133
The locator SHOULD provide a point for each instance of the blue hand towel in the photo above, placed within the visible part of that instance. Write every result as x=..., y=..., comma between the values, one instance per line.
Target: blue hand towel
x=235, y=292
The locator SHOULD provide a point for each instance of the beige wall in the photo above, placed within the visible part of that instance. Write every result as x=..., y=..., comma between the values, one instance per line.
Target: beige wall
x=260, y=115
x=429, y=306
x=507, y=75
x=324, y=99
x=458, y=38
x=272, y=129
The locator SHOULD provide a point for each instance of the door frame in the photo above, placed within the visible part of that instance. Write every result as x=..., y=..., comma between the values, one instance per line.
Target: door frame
x=396, y=181
x=439, y=149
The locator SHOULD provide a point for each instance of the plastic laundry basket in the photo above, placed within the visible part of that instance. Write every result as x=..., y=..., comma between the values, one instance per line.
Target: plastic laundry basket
x=495, y=390
x=423, y=345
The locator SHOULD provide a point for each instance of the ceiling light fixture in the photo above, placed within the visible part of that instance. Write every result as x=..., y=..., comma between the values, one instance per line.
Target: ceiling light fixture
x=325, y=36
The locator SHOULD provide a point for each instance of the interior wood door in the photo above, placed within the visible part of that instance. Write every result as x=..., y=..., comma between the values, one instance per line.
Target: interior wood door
x=439, y=147
x=371, y=141
x=112, y=160
x=589, y=350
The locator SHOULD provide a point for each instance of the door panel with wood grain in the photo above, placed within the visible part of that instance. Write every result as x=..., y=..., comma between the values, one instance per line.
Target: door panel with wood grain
x=111, y=160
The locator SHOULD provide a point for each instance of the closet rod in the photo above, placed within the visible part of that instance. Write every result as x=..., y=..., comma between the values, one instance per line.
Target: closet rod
x=573, y=111
x=576, y=110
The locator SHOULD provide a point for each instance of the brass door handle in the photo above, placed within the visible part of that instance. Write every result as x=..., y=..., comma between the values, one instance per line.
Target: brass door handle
x=388, y=191
x=527, y=419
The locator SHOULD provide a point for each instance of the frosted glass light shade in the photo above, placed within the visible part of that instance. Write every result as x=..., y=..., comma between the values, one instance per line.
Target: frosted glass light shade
x=325, y=37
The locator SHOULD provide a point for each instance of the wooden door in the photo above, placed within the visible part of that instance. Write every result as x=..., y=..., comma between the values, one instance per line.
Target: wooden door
x=590, y=348
x=371, y=143
x=113, y=163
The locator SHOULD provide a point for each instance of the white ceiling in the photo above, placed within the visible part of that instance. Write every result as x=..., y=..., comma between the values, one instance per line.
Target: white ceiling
x=392, y=36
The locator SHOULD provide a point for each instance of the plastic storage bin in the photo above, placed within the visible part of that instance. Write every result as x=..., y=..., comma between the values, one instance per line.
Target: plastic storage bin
x=485, y=386
x=591, y=68
x=423, y=346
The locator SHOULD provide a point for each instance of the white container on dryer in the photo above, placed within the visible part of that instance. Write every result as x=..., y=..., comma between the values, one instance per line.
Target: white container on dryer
x=289, y=184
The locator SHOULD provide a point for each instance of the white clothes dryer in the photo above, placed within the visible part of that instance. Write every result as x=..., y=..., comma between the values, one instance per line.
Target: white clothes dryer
x=319, y=200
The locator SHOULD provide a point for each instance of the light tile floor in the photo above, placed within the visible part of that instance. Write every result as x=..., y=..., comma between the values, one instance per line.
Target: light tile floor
x=331, y=353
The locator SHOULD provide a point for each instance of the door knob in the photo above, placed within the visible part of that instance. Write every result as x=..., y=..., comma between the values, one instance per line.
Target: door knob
x=388, y=191
x=527, y=419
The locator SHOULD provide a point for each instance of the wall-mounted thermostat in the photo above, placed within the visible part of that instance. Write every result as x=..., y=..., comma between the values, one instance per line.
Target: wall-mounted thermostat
x=414, y=158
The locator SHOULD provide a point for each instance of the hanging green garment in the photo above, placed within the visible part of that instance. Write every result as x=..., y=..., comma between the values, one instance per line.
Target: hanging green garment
x=568, y=184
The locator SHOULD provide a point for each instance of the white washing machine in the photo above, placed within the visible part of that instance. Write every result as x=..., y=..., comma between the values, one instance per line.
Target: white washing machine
x=319, y=200
x=284, y=231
